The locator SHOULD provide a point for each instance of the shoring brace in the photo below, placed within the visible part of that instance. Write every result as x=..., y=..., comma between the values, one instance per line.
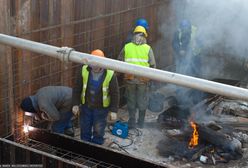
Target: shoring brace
x=65, y=54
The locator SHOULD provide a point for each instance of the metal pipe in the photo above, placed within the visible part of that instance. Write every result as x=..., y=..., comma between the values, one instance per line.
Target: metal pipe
x=119, y=66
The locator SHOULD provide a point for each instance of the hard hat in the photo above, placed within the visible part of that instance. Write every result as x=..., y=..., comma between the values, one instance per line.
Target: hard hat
x=185, y=24
x=98, y=52
x=142, y=22
x=140, y=29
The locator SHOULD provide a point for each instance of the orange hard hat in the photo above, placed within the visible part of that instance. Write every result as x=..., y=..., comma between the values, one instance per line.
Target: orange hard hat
x=98, y=52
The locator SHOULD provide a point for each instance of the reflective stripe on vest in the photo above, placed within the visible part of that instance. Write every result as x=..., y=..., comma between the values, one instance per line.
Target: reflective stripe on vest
x=196, y=50
x=137, y=54
x=105, y=86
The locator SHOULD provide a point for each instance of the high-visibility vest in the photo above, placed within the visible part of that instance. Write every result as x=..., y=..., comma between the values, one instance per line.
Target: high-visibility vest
x=193, y=46
x=137, y=54
x=105, y=86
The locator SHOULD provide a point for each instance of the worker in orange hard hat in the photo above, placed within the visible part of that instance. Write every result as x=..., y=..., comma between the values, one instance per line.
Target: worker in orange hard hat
x=97, y=93
x=98, y=52
x=137, y=52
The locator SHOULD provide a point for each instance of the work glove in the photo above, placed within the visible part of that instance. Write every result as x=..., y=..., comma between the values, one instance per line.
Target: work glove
x=113, y=116
x=44, y=116
x=75, y=110
x=40, y=115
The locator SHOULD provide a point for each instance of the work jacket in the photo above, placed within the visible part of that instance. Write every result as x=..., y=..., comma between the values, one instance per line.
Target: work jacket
x=108, y=97
x=105, y=86
x=53, y=100
x=187, y=42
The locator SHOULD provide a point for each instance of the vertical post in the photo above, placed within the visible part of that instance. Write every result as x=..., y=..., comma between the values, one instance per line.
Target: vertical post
x=6, y=99
x=23, y=58
x=67, y=33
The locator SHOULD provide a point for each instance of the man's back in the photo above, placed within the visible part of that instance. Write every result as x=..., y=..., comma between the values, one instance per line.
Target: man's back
x=54, y=99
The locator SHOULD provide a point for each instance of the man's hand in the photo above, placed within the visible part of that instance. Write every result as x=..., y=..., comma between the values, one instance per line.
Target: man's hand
x=75, y=110
x=113, y=116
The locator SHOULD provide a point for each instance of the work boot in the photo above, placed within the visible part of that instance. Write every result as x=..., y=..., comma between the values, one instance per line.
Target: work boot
x=131, y=124
x=70, y=132
x=141, y=119
x=140, y=124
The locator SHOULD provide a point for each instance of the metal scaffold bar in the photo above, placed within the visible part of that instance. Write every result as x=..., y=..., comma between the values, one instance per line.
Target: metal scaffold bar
x=67, y=54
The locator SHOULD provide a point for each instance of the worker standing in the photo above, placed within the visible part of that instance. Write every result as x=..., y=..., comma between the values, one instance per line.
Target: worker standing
x=97, y=93
x=139, y=22
x=137, y=52
x=187, y=49
x=52, y=103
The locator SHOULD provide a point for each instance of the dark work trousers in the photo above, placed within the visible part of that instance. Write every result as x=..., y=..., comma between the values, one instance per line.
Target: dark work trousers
x=62, y=124
x=136, y=99
x=96, y=119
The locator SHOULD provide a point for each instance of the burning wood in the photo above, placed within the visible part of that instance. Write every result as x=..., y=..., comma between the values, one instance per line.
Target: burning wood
x=195, y=136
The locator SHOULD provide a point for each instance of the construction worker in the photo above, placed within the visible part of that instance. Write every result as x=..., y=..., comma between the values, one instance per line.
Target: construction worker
x=187, y=48
x=52, y=103
x=139, y=53
x=139, y=22
x=97, y=93
x=187, y=52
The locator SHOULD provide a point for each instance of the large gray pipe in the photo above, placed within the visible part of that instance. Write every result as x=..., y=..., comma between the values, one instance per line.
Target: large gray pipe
x=67, y=54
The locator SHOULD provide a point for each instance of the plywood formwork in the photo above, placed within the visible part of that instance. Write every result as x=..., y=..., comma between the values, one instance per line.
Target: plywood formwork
x=81, y=24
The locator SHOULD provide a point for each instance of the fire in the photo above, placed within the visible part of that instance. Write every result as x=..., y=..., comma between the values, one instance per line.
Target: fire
x=25, y=128
x=195, y=136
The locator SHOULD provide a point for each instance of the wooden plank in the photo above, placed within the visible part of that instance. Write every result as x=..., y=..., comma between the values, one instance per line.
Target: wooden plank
x=4, y=74
x=67, y=8
x=23, y=58
x=36, y=59
x=98, y=25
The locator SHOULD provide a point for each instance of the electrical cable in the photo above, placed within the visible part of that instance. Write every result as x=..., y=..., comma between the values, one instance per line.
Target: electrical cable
x=121, y=147
x=131, y=139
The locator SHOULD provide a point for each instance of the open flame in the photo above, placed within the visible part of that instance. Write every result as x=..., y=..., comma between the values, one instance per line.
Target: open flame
x=195, y=136
x=27, y=128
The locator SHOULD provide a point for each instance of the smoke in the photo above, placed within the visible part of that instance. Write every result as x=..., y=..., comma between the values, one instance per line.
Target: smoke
x=223, y=29
x=220, y=22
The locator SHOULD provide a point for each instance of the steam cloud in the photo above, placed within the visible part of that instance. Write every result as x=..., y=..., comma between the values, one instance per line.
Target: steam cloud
x=223, y=28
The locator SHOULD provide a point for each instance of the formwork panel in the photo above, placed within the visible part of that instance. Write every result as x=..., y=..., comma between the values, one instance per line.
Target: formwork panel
x=81, y=24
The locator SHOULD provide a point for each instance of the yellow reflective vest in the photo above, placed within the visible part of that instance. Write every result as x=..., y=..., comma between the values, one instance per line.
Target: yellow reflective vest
x=196, y=50
x=105, y=86
x=137, y=54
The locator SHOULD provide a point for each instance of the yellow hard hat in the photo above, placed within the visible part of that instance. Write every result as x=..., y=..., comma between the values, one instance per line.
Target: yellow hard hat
x=140, y=29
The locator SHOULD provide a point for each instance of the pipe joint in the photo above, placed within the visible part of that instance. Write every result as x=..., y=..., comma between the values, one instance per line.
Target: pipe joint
x=65, y=53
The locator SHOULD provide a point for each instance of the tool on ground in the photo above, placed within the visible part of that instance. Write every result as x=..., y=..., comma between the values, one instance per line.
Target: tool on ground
x=120, y=129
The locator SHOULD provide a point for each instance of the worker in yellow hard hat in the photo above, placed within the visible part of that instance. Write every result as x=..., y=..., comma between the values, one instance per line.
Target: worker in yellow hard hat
x=137, y=52
x=138, y=22
x=97, y=93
